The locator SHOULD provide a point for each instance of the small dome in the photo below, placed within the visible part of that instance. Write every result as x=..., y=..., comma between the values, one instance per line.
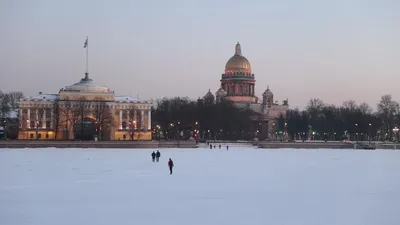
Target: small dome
x=87, y=85
x=221, y=92
x=209, y=94
x=238, y=63
x=268, y=92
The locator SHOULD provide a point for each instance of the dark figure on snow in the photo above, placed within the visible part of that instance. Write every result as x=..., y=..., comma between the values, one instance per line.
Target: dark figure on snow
x=219, y=146
x=227, y=147
x=158, y=155
x=153, y=156
x=210, y=146
x=170, y=165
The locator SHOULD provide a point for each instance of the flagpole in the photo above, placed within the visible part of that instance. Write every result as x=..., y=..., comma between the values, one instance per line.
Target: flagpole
x=87, y=57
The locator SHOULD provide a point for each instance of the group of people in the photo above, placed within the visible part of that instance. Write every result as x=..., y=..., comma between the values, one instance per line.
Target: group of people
x=155, y=156
x=211, y=146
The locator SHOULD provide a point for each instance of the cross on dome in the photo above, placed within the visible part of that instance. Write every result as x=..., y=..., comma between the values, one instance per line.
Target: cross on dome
x=238, y=49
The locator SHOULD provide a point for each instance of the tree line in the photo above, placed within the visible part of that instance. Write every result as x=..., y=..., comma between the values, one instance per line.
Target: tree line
x=182, y=118
x=177, y=117
x=350, y=120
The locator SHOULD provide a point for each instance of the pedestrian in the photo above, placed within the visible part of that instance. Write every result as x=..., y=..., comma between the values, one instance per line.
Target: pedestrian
x=219, y=146
x=170, y=165
x=153, y=156
x=158, y=154
x=227, y=147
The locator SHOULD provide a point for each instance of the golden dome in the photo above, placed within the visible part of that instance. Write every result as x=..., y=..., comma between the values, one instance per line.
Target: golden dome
x=238, y=63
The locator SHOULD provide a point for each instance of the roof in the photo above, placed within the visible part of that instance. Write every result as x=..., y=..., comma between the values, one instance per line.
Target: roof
x=12, y=114
x=86, y=85
x=126, y=99
x=43, y=97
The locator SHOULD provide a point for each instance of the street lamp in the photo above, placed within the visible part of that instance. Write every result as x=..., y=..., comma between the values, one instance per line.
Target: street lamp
x=396, y=131
x=5, y=128
x=356, y=131
x=369, y=132
x=37, y=130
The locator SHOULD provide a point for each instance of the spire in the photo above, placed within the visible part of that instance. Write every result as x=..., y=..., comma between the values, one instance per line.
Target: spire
x=86, y=45
x=238, y=50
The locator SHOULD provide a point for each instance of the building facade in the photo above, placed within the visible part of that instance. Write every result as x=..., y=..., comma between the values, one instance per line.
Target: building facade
x=238, y=86
x=84, y=111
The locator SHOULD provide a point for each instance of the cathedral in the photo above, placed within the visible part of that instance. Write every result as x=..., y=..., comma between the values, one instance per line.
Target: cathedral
x=238, y=86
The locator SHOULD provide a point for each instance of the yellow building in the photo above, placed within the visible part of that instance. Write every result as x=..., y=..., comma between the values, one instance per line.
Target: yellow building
x=84, y=111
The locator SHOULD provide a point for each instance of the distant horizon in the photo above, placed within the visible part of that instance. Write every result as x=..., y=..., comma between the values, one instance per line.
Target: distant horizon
x=335, y=51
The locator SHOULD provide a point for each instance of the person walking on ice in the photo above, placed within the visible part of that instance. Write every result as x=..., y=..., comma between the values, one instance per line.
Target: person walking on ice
x=170, y=165
x=153, y=156
x=158, y=155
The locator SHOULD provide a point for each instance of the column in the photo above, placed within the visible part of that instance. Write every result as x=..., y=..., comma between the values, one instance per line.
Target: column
x=120, y=119
x=142, y=119
x=135, y=119
x=37, y=118
x=149, y=120
x=28, y=121
x=127, y=116
x=44, y=119
x=51, y=119
x=21, y=118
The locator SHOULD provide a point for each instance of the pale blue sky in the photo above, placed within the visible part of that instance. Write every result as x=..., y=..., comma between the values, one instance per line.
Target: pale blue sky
x=335, y=50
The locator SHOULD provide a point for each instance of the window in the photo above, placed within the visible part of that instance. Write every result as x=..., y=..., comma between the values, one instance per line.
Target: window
x=47, y=124
x=124, y=125
x=47, y=136
x=124, y=136
x=32, y=124
x=39, y=136
x=124, y=115
x=31, y=136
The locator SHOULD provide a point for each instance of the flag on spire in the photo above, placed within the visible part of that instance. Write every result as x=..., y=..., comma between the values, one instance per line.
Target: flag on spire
x=86, y=43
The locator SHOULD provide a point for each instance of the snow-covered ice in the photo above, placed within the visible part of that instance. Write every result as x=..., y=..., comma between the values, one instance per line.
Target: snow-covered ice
x=242, y=186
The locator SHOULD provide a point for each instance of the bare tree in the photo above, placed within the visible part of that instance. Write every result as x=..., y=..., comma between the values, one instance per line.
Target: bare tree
x=66, y=116
x=351, y=105
x=23, y=118
x=56, y=117
x=37, y=112
x=315, y=105
x=365, y=108
x=104, y=118
x=15, y=97
x=4, y=105
x=133, y=123
x=81, y=110
x=387, y=111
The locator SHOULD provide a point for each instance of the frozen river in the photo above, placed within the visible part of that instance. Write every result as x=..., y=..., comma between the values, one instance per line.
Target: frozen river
x=242, y=186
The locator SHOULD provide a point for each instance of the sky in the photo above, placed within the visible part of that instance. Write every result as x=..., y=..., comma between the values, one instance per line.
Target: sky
x=333, y=50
